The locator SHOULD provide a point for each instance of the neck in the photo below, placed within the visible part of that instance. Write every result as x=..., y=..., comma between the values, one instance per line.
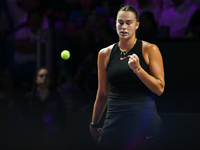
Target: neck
x=43, y=92
x=126, y=45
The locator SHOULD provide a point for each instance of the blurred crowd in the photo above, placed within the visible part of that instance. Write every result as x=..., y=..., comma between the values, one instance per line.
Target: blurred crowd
x=83, y=27
x=41, y=95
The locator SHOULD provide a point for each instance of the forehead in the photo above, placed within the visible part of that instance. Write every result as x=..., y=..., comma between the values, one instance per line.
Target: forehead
x=126, y=15
x=43, y=71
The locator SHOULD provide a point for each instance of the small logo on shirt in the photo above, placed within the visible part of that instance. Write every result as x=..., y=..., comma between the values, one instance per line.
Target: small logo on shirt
x=122, y=58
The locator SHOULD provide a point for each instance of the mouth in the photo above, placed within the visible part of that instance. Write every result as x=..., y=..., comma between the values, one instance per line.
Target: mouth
x=123, y=33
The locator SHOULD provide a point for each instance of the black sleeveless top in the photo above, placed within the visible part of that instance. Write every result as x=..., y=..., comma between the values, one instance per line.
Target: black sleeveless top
x=124, y=83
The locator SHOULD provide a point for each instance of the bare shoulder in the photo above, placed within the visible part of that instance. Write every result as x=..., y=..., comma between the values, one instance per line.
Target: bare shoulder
x=106, y=51
x=149, y=47
x=104, y=55
x=150, y=52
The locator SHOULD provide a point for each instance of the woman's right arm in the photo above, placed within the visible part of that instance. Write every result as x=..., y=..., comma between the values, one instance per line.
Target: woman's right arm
x=102, y=92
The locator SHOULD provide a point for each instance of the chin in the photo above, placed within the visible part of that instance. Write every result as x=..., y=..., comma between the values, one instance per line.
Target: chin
x=44, y=85
x=124, y=37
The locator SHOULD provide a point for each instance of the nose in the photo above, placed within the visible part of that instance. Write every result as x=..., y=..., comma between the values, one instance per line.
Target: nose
x=124, y=26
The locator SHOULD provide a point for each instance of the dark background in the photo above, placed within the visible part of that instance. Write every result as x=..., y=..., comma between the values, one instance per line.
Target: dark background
x=178, y=106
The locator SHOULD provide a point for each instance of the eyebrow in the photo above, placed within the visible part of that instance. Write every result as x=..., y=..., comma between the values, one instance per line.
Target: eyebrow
x=124, y=20
x=43, y=75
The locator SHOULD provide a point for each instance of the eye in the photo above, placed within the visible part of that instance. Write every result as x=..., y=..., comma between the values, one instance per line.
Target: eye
x=41, y=76
x=44, y=75
x=128, y=23
x=120, y=22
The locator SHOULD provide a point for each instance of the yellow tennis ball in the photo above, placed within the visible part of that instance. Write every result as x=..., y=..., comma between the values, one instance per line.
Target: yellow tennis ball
x=65, y=54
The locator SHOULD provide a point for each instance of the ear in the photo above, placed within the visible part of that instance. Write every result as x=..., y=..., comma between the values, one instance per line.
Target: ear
x=137, y=25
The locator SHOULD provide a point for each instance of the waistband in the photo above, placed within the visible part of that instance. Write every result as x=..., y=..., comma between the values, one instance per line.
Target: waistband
x=145, y=105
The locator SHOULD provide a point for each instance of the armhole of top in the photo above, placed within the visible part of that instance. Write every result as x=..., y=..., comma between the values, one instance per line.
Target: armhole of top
x=111, y=53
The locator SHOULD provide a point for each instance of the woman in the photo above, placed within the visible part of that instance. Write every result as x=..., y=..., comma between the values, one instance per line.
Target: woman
x=45, y=111
x=130, y=74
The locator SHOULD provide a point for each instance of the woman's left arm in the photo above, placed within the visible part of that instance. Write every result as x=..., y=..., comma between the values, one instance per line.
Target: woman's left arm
x=154, y=80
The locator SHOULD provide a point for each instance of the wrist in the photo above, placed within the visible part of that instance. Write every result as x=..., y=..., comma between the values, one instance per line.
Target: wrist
x=92, y=125
x=137, y=69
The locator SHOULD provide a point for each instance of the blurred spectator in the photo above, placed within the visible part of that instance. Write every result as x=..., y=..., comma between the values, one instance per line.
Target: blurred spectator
x=166, y=4
x=84, y=84
x=193, y=28
x=25, y=56
x=4, y=6
x=194, y=2
x=97, y=34
x=45, y=111
x=130, y=2
x=57, y=12
x=76, y=22
x=146, y=5
x=148, y=29
x=19, y=10
x=177, y=18
x=4, y=30
x=74, y=30
x=111, y=6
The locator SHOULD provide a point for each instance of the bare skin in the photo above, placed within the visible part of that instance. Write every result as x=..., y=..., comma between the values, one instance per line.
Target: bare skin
x=126, y=25
x=43, y=82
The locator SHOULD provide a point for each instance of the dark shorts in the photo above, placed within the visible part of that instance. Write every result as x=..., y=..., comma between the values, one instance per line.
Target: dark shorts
x=131, y=126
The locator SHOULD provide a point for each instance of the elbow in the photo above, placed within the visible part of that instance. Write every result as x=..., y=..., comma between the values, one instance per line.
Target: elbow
x=160, y=91
x=102, y=96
